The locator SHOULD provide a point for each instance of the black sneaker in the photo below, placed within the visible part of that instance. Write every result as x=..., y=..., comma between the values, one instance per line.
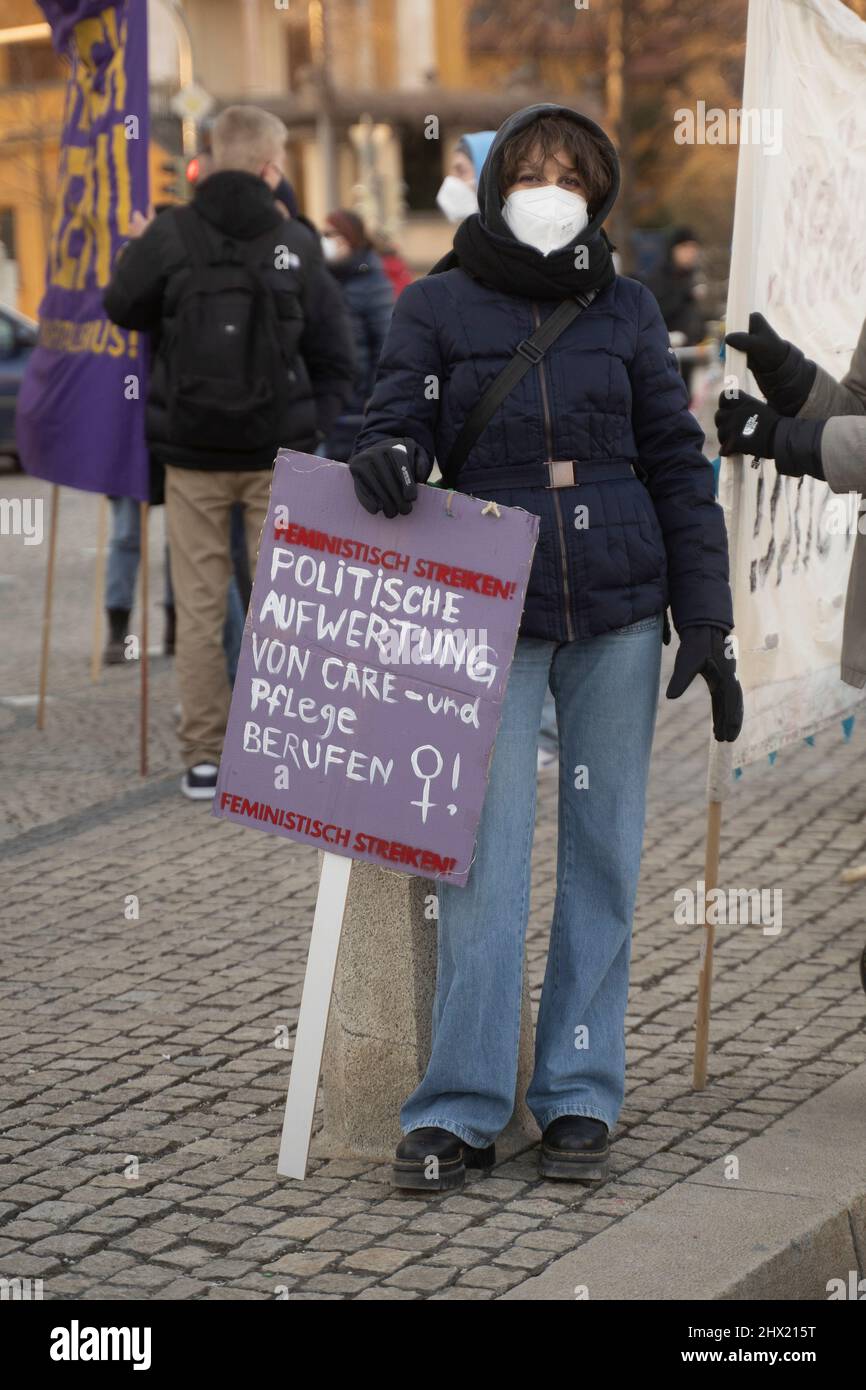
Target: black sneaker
x=435, y=1160
x=576, y=1148
x=199, y=782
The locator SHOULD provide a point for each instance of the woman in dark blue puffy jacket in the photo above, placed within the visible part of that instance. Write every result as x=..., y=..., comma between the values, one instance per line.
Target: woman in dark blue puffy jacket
x=597, y=440
x=358, y=270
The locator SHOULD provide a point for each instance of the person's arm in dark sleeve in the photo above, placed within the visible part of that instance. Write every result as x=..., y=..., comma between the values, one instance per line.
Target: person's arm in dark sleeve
x=405, y=399
x=327, y=345
x=134, y=295
x=679, y=479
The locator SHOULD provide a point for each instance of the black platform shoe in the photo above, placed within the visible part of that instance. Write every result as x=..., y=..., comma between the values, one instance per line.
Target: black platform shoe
x=576, y=1148
x=435, y=1160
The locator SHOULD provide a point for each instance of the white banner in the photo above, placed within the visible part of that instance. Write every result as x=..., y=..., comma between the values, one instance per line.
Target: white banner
x=799, y=256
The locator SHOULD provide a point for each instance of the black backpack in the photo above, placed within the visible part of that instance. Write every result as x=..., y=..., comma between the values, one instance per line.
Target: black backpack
x=227, y=380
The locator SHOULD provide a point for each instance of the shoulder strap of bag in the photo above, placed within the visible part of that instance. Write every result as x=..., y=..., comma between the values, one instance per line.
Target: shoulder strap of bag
x=529, y=353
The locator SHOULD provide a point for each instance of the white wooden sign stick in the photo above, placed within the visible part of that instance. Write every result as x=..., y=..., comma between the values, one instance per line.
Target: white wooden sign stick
x=313, y=1016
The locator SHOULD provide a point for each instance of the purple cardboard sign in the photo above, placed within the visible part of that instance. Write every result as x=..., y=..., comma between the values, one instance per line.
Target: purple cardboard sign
x=374, y=662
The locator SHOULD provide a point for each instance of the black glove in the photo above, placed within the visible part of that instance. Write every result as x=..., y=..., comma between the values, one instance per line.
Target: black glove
x=765, y=350
x=782, y=372
x=386, y=475
x=746, y=425
x=702, y=651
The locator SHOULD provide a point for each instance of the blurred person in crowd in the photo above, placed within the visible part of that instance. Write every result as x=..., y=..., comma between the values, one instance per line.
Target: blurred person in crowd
x=599, y=417
x=812, y=426
x=358, y=270
x=679, y=288
x=254, y=352
x=125, y=541
x=121, y=576
x=393, y=264
x=124, y=553
x=457, y=196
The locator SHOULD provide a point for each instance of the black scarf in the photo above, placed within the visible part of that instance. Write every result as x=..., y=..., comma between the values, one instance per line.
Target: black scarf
x=512, y=267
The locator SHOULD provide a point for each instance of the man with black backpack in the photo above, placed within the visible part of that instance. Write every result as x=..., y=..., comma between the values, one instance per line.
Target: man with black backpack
x=252, y=351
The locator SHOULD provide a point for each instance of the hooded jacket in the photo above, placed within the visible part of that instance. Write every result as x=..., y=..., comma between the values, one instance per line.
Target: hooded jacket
x=314, y=330
x=608, y=393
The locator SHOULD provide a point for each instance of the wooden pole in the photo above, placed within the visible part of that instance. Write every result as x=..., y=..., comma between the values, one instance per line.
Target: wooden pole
x=143, y=656
x=705, y=978
x=46, y=608
x=313, y=1016
x=99, y=588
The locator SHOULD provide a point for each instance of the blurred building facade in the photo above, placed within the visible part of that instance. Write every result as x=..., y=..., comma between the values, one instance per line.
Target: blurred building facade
x=374, y=94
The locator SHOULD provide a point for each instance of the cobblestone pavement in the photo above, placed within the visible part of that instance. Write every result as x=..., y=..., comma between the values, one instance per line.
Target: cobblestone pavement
x=142, y=1091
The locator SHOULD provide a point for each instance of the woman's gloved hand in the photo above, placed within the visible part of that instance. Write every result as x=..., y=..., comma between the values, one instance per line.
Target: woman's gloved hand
x=765, y=350
x=781, y=370
x=703, y=651
x=386, y=475
x=746, y=425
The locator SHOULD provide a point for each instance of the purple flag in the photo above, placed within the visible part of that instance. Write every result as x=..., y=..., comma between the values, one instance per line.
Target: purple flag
x=374, y=663
x=80, y=414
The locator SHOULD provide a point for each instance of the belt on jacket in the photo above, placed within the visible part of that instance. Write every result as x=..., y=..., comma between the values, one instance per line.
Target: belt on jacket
x=555, y=473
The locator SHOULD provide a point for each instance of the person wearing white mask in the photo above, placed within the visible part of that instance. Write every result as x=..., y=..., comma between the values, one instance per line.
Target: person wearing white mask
x=592, y=433
x=457, y=196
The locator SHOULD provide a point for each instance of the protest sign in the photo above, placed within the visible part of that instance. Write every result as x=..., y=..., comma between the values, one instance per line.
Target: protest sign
x=374, y=662
x=799, y=256
x=80, y=412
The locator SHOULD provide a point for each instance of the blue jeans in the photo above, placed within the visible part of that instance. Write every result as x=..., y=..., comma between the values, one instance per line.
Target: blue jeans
x=121, y=568
x=606, y=693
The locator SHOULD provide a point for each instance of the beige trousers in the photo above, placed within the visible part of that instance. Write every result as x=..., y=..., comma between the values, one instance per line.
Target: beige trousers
x=198, y=504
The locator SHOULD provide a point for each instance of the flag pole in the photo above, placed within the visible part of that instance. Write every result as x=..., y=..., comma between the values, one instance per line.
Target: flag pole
x=99, y=588
x=143, y=654
x=46, y=609
x=705, y=977
x=731, y=493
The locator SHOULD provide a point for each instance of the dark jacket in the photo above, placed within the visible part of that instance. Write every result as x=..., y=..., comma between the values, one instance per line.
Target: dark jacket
x=674, y=288
x=315, y=333
x=370, y=301
x=607, y=393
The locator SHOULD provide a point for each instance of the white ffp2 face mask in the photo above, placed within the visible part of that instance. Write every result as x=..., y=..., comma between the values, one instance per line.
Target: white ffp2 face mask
x=456, y=198
x=547, y=218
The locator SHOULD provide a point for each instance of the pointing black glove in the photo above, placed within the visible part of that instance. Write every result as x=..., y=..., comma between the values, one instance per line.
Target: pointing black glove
x=703, y=651
x=386, y=475
x=782, y=372
x=765, y=350
x=746, y=425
